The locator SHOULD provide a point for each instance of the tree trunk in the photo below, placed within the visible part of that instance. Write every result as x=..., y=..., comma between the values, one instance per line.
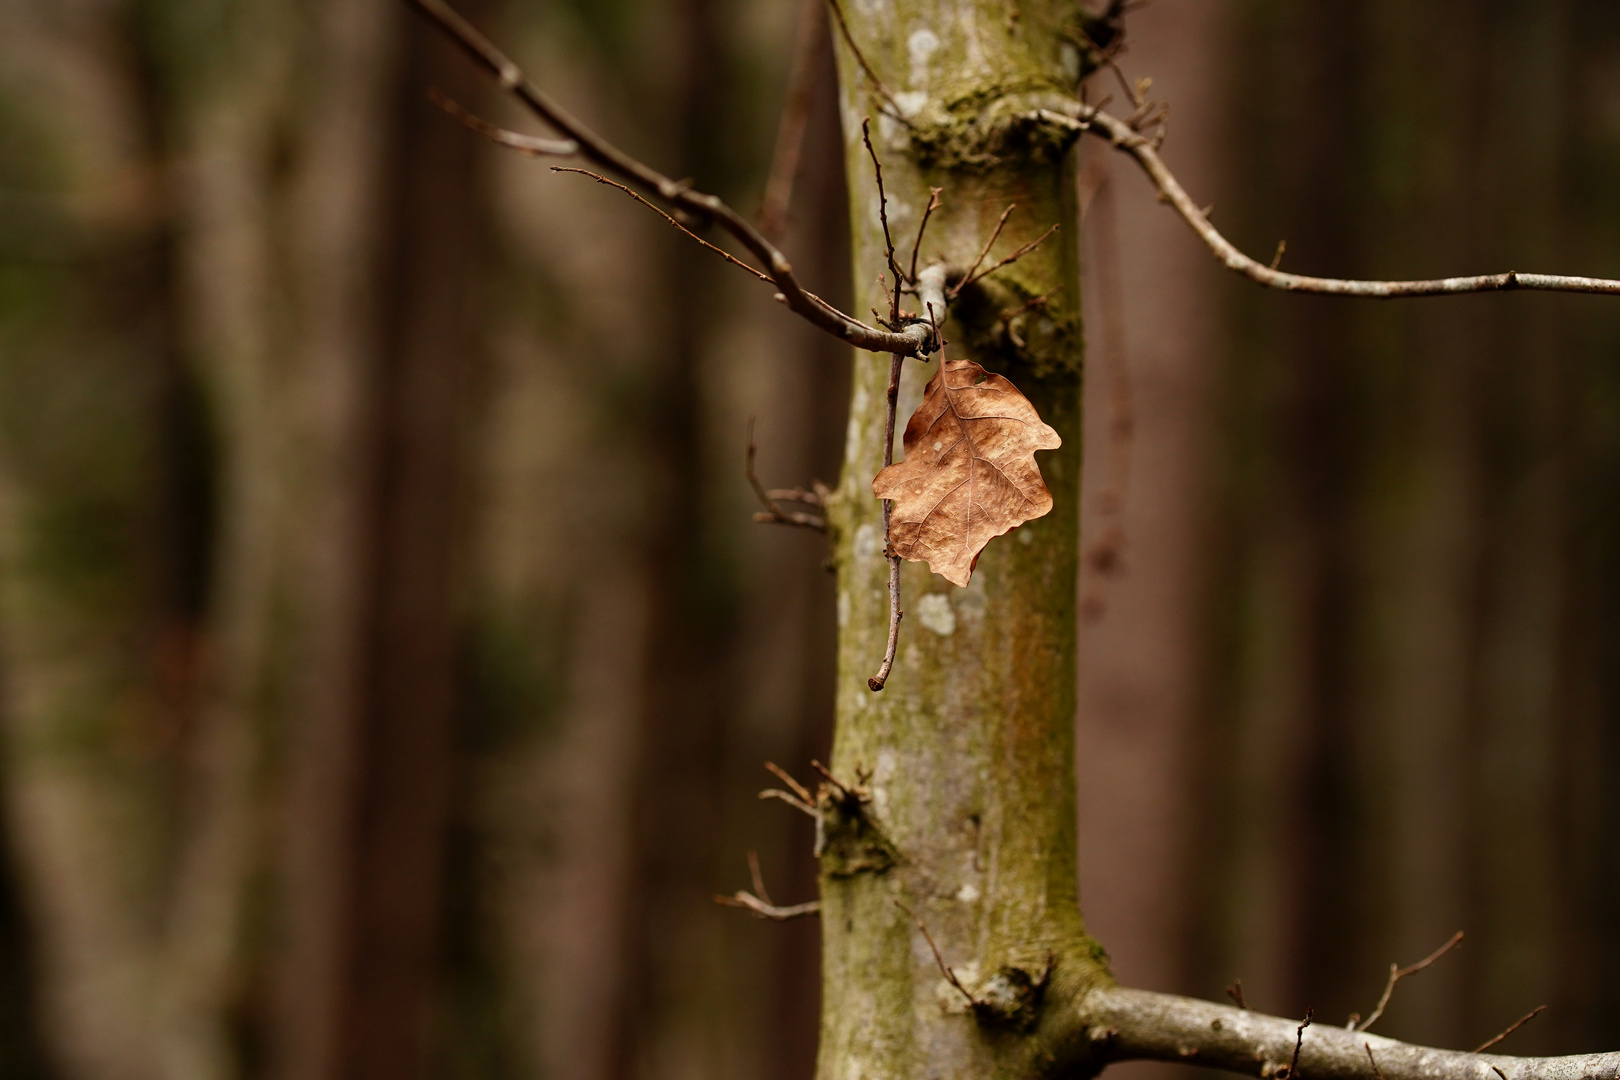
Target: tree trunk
x=969, y=753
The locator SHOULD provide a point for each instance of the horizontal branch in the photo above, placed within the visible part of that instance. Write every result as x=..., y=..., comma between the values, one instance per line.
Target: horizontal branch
x=761, y=909
x=1145, y=152
x=915, y=339
x=1143, y=1025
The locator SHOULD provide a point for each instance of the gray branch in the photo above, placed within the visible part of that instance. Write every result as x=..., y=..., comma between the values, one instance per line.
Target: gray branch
x=1134, y=1025
x=1123, y=137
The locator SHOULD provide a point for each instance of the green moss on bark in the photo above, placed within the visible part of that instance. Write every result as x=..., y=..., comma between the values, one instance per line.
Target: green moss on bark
x=970, y=749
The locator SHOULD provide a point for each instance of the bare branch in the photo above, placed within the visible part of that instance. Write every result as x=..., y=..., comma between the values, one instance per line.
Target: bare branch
x=914, y=339
x=1511, y=1028
x=1143, y=1025
x=526, y=144
x=1397, y=973
x=1120, y=134
x=950, y=976
x=773, y=513
x=893, y=108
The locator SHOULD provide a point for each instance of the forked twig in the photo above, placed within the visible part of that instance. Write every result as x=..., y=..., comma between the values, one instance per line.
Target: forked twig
x=1397, y=973
x=1008, y=261
x=1001, y=223
x=759, y=901
x=1235, y=992
x=1511, y=1028
x=773, y=512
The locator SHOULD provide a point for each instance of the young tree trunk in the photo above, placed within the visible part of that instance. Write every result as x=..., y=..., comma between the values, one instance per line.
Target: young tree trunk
x=968, y=755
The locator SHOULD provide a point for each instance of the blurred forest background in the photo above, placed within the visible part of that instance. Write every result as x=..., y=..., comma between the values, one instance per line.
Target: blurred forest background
x=387, y=656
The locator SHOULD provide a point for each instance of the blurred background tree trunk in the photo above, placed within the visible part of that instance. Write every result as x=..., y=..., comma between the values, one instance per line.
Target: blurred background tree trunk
x=1408, y=726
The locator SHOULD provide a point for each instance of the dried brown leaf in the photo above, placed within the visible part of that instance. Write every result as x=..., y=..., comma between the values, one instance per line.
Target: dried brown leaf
x=969, y=474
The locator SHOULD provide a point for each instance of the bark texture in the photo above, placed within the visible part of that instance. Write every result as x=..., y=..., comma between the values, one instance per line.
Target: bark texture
x=968, y=754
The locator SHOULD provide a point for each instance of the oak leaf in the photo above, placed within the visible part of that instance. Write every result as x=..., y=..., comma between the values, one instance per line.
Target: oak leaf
x=969, y=473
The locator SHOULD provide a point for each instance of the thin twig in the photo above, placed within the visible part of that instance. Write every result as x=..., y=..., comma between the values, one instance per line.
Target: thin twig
x=1377, y=1075
x=759, y=901
x=1008, y=261
x=1511, y=1028
x=809, y=41
x=843, y=791
x=911, y=340
x=1299, y=1043
x=1235, y=992
x=950, y=976
x=726, y=255
x=1091, y=119
x=983, y=252
x=922, y=227
x=883, y=216
x=787, y=778
x=893, y=110
x=816, y=495
x=773, y=513
x=876, y=682
x=526, y=144
x=792, y=800
x=762, y=910
x=1397, y=973
x=757, y=877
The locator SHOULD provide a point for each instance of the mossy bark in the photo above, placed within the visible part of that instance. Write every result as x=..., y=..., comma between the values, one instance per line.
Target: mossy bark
x=968, y=754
